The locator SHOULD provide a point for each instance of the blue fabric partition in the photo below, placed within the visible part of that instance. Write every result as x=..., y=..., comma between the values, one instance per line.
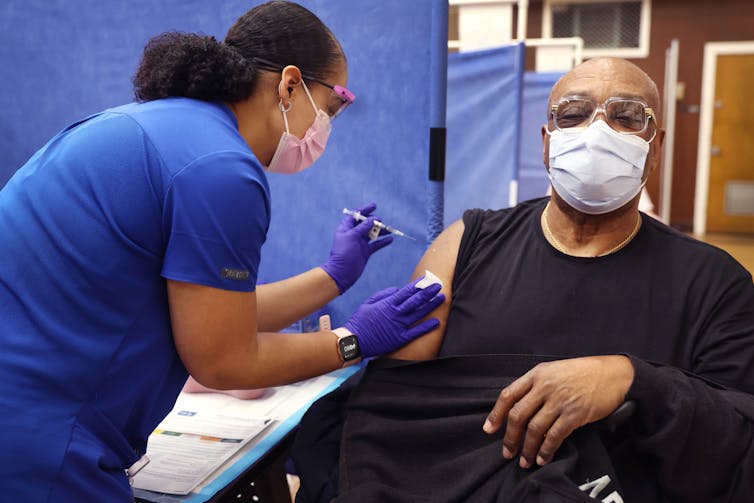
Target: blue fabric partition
x=484, y=101
x=65, y=59
x=532, y=176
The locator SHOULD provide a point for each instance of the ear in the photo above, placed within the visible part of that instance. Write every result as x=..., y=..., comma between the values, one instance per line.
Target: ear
x=290, y=78
x=545, y=147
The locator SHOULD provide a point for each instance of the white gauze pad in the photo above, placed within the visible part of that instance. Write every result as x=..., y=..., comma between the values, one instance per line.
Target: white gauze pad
x=428, y=279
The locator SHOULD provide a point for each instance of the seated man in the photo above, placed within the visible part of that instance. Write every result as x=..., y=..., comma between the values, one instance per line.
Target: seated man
x=629, y=309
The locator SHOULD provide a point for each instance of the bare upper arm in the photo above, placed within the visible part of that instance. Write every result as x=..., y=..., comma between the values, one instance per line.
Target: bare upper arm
x=211, y=328
x=440, y=258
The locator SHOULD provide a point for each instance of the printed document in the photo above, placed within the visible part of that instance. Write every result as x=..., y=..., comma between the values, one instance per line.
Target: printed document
x=188, y=445
x=207, y=432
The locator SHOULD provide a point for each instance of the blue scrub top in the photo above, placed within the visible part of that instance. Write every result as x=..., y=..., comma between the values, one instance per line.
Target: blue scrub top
x=90, y=228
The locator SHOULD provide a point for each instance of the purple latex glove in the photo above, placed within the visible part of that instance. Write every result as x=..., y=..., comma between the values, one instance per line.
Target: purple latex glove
x=351, y=248
x=384, y=322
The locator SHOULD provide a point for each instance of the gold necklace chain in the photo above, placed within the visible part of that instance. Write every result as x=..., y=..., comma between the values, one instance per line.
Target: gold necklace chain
x=558, y=246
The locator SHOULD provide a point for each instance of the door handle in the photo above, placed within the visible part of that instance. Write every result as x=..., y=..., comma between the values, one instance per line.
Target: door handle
x=715, y=151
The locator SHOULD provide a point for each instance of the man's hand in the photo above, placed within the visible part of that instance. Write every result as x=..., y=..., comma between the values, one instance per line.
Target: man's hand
x=545, y=405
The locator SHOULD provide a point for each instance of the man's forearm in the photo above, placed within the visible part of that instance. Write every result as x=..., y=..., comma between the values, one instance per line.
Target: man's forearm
x=702, y=437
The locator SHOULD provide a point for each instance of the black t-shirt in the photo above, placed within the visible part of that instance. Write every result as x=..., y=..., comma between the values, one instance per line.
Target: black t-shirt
x=665, y=297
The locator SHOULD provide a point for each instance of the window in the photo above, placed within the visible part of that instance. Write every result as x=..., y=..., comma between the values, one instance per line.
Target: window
x=608, y=27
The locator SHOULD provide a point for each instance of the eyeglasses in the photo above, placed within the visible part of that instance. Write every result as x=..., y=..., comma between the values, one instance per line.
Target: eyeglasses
x=624, y=115
x=339, y=99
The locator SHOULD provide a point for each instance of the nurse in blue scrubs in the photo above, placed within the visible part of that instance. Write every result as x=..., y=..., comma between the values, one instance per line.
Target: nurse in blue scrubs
x=130, y=245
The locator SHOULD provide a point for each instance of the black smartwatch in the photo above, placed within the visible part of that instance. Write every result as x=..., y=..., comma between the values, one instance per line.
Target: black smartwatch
x=348, y=346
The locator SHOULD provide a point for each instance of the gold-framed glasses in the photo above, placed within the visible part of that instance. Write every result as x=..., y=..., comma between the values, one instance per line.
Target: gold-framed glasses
x=624, y=115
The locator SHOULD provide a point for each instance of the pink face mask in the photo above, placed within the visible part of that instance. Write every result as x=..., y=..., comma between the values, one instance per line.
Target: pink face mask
x=294, y=154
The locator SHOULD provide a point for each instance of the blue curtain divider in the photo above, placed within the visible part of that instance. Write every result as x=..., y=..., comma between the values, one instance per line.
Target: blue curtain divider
x=532, y=176
x=495, y=115
x=484, y=101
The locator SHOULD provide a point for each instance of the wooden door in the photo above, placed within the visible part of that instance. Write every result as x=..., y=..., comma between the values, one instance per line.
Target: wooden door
x=730, y=200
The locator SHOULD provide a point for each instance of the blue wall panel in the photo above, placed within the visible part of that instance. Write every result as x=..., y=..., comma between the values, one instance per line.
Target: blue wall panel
x=532, y=175
x=484, y=101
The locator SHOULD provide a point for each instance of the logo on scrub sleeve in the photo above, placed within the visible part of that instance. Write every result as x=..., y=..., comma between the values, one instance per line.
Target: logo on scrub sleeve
x=234, y=274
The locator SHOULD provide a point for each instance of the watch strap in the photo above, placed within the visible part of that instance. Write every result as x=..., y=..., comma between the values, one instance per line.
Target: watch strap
x=342, y=332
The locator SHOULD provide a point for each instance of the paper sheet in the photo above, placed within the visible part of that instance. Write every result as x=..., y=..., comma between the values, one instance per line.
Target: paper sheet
x=190, y=444
x=182, y=463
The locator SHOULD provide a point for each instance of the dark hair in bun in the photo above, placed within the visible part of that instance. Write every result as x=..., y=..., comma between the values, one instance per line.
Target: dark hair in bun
x=199, y=66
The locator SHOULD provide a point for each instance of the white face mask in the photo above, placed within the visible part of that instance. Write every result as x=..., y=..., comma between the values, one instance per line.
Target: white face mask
x=597, y=170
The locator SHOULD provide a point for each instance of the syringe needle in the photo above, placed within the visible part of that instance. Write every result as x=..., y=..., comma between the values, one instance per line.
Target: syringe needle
x=399, y=233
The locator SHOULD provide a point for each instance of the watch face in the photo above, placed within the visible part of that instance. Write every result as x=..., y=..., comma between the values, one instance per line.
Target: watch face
x=349, y=347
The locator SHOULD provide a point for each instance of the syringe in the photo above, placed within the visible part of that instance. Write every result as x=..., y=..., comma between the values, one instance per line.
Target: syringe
x=379, y=225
